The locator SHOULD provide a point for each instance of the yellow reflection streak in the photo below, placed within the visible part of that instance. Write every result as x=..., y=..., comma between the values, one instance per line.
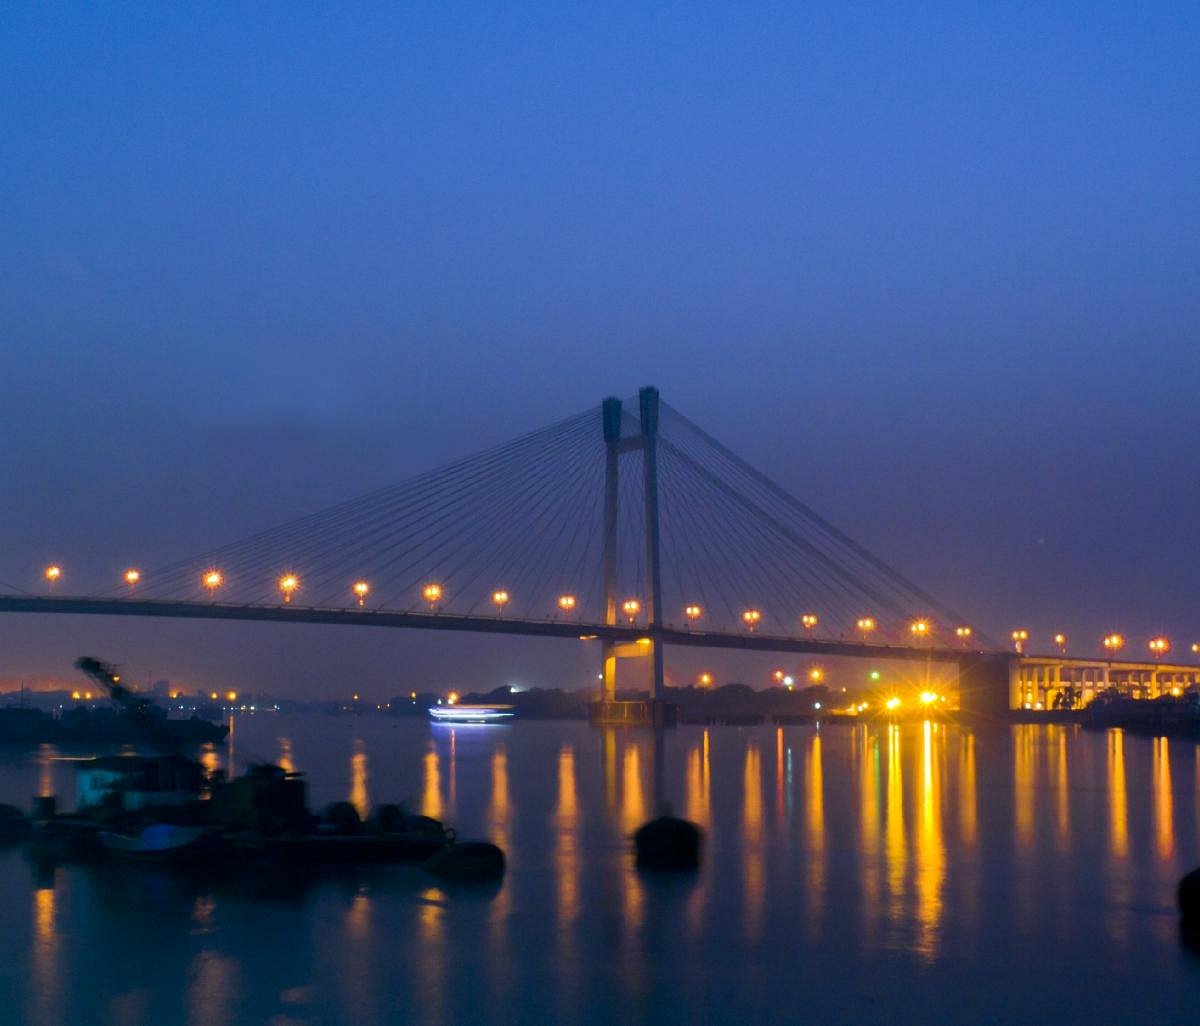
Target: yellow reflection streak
x=567, y=855
x=894, y=838
x=1118, y=823
x=430, y=953
x=44, y=984
x=699, y=810
x=452, y=794
x=500, y=829
x=46, y=754
x=358, y=781
x=868, y=806
x=930, y=853
x=212, y=993
x=779, y=772
x=815, y=823
x=1062, y=793
x=752, y=829
x=968, y=794
x=1164, y=812
x=633, y=805
x=285, y=755
x=608, y=756
x=1024, y=786
x=431, y=798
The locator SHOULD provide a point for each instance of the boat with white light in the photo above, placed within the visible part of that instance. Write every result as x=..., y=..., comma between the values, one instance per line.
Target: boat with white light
x=460, y=713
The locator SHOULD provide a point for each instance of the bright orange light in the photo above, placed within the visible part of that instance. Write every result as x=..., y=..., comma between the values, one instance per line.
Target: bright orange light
x=631, y=607
x=866, y=624
x=751, y=618
x=288, y=583
x=53, y=572
x=777, y=676
x=928, y=698
x=1159, y=645
x=231, y=696
x=132, y=576
x=1196, y=647
x=214, y=696
x=808, y=621
x=566, y=603
x=1176, y=691
x=706, y=680
x=816, y=675
x=452, y=698
x=500, y=598
x=76, y=695
x=919, y=627
x=1019, y=637
x=1114, y=642
x=87, y=695
x=212, y=580
x=963, y=632
x=892, y=703
x=432, y=593
x=1060, y=640
x=693, y=612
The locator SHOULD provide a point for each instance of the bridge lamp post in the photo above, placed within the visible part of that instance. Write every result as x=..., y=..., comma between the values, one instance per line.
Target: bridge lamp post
x=816, y=675
x=808, y=621
x=693, y=613
x=1196, y=648
x=631, y=607
x=500, y=600
x=288, y=584
x=131, y=577
x=567, y=603
x=1114, y=642
x=963, y=634
x=53, y=574
x=1019, y=637
x=751, y=618
x=212, y=579
x=865, y=625
x=1060, y=640
x=361, y=590
x=432, y=593
x=919, y=629
x=1159, y=646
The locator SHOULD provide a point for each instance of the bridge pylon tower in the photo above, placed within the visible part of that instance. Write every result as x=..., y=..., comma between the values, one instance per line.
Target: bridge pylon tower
x=649, y=648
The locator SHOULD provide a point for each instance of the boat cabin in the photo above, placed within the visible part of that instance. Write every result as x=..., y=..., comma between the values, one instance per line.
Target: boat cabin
x=133, y=782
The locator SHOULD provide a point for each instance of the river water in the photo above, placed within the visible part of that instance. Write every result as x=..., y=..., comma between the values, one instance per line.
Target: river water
x=917, y=873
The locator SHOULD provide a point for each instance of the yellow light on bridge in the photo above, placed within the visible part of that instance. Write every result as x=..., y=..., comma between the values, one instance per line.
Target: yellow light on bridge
x=920, y=628
x=1019, y=637
x=288, y=584
x=500, y=599
x=53, y=572
x=1114, y=642
x=808, y=621
x=361, y=590
x=1159, y=645
x=751, y=618
x=1196, y=647
x=231, y=696
x=1176, y=691
x=865, y=625
x=212, y=579
x=631, y=607
x=963, y=632
x=892, y=704
x=1061, y=641
x=816, y=675
x=928, y=698
x=432, y=593
x=567, y=603
x=214, y=696
x=693, y=612
x=132, y=576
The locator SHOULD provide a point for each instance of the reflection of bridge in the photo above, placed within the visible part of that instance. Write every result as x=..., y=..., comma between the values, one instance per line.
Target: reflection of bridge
x=637, y=531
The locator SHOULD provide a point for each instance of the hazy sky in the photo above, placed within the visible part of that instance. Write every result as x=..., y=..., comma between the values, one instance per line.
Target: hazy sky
x=936, y=268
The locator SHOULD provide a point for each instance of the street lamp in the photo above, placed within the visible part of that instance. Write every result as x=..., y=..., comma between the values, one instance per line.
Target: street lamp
x=1019, y=637
x=132, y=576
x=865, y=625
x=212, y=579
x=919, y=628
x=816, y=675
x=432, y=593
x=1061, y=641
x=751, y=618
x=361, y=590
x=500, y=600
x=288, y=584
x=693, y=612
x=1159, y=646
x=53, y=573
x=566, y=603
x=1114, y=642
x=808, y=621
x=963, y=633
x=631, y=607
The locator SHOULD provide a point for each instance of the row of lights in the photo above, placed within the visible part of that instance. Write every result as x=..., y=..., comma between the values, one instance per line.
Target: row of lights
x=1158, y=645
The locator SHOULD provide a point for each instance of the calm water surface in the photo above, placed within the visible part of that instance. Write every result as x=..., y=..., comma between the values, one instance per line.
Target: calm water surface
x=869, y=874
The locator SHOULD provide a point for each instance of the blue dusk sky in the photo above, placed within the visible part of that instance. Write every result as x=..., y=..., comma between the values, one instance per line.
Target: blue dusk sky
x=934, y=267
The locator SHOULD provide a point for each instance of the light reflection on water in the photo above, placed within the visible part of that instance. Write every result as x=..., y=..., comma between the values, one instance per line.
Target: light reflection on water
x=840, y=865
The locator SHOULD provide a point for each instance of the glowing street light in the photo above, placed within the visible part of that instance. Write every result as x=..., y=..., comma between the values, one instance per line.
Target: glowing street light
x=1196, y=648
x=963, y=633
x=432, y=593
x=777, y=676
x=566, y=603
x=1019, y=637
x=500, y=600
x=892, y=704
x=212, y=579
x=928, y=698
x=231, y=696
x=1061, y=641
x=53, y=573
x=751, y=618
x=816, y=675
x=865, y=625
x=1159, y=646
x=631, y=607
x=705, y=679
x=361, y=590
x=288, y=584
x=808, y=621
x=132, y=576
x=693, y=612
x=919, y=628
x=1114, y=642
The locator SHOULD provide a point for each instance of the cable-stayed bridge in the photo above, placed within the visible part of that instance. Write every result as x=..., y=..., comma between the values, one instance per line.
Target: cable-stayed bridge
x=628, y=525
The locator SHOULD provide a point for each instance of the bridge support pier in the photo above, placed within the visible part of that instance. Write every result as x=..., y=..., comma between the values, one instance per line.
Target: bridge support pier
x=989, y=684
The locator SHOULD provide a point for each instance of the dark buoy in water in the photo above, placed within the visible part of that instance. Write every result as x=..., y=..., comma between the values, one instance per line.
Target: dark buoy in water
x=668, y=843
x=466, y=860
x=1188, y=896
